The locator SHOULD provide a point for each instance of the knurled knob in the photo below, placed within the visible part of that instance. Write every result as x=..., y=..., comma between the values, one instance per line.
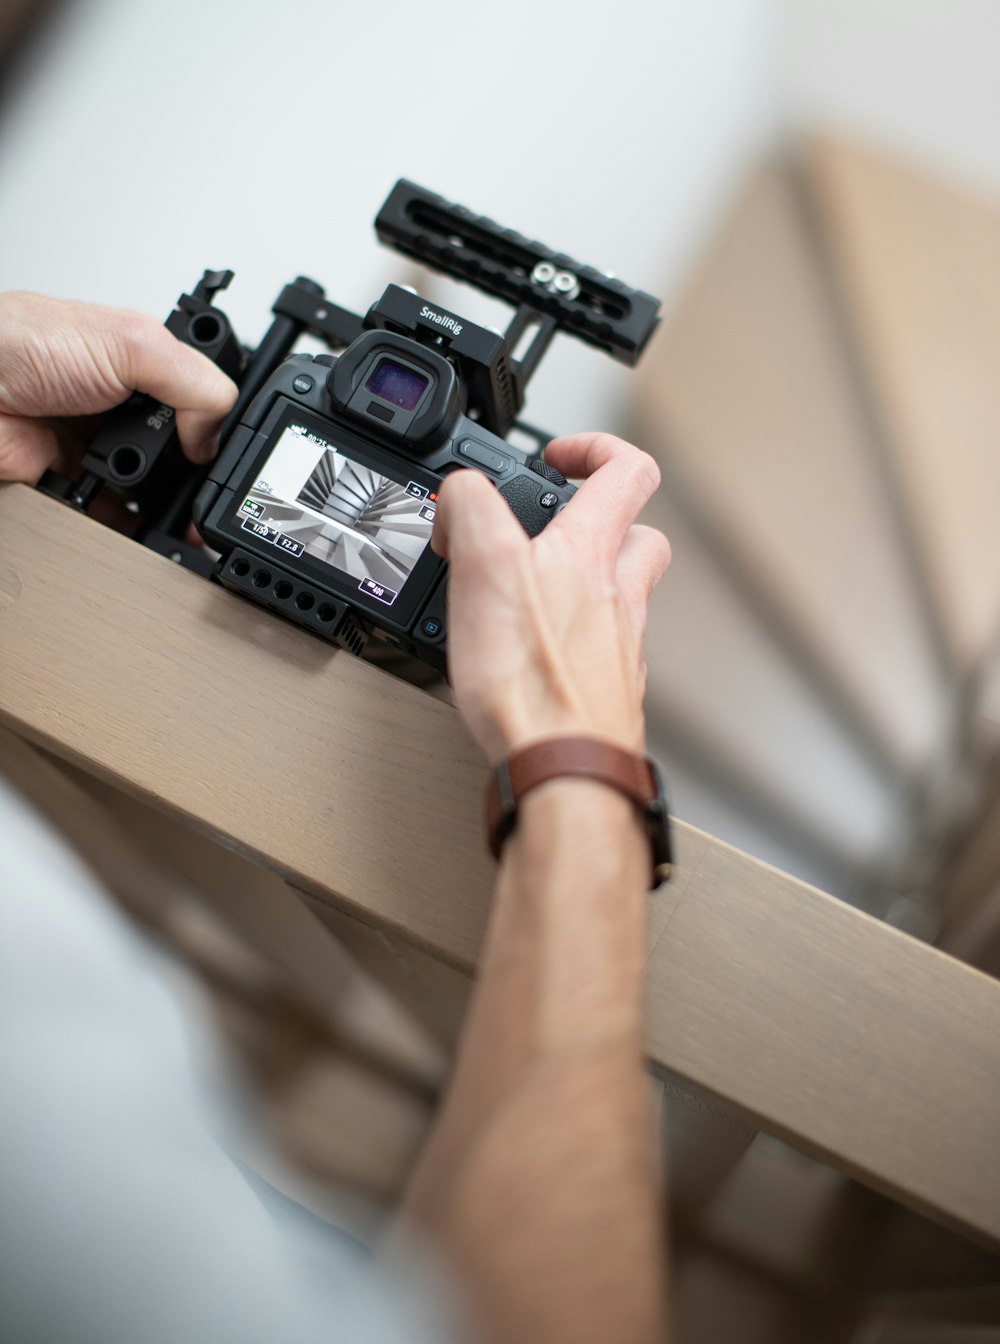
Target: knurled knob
x=543, y=469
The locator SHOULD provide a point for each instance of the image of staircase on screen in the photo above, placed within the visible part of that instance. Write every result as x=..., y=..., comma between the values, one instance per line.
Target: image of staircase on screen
x=381, y=530
x=312, y=499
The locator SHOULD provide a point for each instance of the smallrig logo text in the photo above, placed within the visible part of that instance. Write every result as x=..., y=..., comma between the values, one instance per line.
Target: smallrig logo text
x=440, y=320
x=160, y=417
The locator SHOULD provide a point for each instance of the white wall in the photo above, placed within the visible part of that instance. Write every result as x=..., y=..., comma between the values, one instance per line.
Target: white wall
x=920, y=76
x=151, y=140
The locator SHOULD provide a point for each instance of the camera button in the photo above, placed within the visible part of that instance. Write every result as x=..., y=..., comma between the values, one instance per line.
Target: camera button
x=549, y=500
x=432, y=627
x=303, y=384
x=487, y=458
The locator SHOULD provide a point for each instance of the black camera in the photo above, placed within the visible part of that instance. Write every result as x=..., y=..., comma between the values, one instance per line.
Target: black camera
x=321, y=501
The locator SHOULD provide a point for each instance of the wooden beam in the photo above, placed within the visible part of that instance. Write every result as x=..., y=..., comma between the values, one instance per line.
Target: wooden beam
x=268, y=916
x=852, y=1040
x=828, y=1028
x=335, y=774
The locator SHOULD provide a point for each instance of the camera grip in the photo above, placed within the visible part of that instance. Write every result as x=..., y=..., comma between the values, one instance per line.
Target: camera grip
x=524, y=493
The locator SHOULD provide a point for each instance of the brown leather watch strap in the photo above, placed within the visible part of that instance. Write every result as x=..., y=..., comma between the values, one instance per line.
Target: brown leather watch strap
x=555, y=758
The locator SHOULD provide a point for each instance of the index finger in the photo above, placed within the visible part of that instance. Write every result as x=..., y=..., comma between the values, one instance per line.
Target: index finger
x=620, y=481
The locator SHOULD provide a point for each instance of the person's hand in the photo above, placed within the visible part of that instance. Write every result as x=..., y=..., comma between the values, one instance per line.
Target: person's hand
x=61, y=360
x=545, y=636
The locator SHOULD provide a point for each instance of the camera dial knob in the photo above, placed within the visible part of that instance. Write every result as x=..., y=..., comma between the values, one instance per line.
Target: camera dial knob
x=549, y=473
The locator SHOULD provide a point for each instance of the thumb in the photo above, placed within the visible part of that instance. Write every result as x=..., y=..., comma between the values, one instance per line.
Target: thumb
x=144, y=355
x=63, y=358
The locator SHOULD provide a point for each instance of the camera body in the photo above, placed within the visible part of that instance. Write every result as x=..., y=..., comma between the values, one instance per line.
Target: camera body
x=322, y=499
x=320, y=504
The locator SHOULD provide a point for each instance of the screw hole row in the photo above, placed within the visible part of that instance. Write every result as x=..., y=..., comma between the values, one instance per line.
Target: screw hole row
x=283, y=589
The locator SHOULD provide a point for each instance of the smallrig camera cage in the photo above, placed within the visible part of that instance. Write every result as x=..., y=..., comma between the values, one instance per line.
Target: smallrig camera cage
x=322, y=498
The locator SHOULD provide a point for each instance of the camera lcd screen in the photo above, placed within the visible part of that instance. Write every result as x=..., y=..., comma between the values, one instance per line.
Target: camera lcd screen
x=396, y=383
x=312, y=499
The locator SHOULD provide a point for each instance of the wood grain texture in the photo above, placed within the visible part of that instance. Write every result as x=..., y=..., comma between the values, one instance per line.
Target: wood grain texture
x=840, y=1034
x=340, y=776
x=267, y=915
x=918, y=261
x=851, y=1039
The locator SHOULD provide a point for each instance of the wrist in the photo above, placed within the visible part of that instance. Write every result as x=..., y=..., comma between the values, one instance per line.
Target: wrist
x=560, y=802
x=584, y=822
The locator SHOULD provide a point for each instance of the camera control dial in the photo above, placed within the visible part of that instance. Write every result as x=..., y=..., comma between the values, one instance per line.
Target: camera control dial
x=549, y=473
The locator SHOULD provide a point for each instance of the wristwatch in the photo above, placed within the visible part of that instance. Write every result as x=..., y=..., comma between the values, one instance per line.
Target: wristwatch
x=634, y=775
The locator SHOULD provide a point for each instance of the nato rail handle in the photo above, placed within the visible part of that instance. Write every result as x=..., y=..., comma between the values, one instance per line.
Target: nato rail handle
x=598, y=308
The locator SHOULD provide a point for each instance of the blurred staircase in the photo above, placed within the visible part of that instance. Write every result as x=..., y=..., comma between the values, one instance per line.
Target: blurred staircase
x=825, y=405
x=824, y=675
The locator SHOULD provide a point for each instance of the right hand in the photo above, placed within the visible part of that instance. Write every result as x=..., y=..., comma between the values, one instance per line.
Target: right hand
x=545, y=635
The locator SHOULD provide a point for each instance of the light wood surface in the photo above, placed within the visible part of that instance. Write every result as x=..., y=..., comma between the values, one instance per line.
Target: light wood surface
x=264, y=913
x=919, y=265
x=842, y=1035
x=338, y=775
x=882, y=1042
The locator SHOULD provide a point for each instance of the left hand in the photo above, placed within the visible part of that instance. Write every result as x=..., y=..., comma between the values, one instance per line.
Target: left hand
x=61, y=360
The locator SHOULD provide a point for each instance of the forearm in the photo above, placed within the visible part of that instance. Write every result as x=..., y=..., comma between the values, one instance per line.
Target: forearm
x=540, y=1176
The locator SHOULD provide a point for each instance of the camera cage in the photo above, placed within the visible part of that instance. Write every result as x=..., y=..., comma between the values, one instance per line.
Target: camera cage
x=137, y=454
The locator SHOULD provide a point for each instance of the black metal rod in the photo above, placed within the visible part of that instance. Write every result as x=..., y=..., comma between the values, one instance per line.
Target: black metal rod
x=522, y=369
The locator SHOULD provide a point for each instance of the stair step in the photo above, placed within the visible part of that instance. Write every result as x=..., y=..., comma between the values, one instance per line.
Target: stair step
x=747, y=399
x=724, y=697
x=919, y=263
